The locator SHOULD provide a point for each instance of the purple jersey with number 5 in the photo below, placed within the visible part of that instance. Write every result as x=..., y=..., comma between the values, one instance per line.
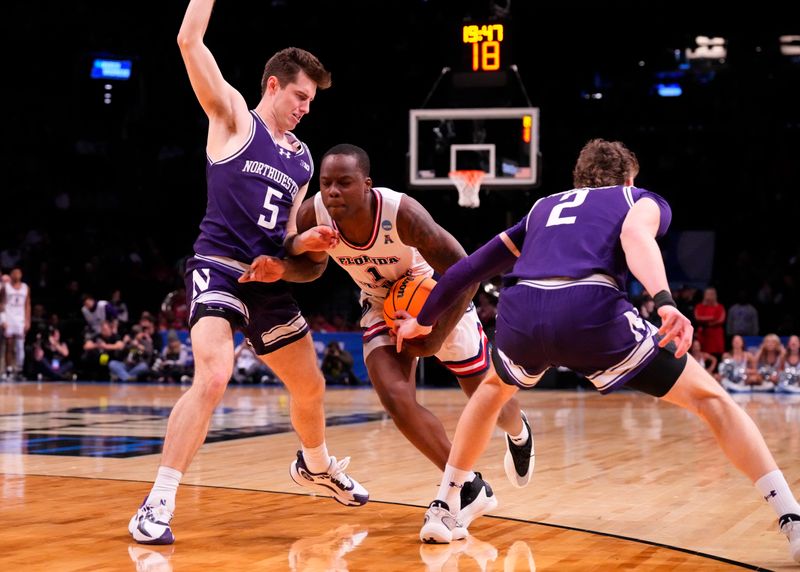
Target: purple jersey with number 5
x=250, y=196
x=576, y=233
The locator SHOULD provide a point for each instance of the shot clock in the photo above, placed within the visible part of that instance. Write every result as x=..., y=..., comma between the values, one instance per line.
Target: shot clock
x=486, y=45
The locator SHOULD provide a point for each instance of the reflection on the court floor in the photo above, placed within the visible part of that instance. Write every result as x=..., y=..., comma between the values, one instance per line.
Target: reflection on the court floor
x=129, y=431
x=327, y=551
x=446, y=557
x=151, y=559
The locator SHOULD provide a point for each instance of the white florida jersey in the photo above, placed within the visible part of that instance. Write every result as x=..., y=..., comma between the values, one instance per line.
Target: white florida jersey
x=16, y=301
x=384, y=258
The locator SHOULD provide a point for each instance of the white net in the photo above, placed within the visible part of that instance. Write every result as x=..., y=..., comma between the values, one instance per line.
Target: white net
x=468, y=183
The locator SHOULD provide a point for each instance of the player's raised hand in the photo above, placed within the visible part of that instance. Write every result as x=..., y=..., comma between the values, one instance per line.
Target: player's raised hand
x=675, y=326
x=264, y=269
x=317, y=239
x=406, y=327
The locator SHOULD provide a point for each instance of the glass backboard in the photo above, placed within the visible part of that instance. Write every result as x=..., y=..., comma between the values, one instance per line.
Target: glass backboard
x=502, y=141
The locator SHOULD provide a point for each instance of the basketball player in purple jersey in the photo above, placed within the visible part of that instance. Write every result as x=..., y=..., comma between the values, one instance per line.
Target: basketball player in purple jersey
x=571, y=254
x=257, y=173
x=383, y=236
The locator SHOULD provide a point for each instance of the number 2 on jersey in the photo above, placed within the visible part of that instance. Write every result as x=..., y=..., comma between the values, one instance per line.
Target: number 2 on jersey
x=269, y=223
x=555, y=218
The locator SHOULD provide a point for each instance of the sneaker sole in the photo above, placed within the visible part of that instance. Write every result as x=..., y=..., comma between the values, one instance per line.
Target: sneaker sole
x=517, y=481
x=326, y=491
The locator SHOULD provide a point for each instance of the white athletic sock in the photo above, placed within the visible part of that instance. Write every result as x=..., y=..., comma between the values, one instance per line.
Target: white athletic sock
x=522, y=438
x=165, y=487
x=775, y=490
x=317, y=458
x=450, y=488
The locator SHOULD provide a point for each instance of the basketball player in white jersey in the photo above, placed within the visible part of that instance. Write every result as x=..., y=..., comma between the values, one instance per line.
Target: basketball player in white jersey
x=383, y=236
x=17, y=321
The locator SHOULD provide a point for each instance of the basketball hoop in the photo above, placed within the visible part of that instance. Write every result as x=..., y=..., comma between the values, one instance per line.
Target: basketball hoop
x=468, y=183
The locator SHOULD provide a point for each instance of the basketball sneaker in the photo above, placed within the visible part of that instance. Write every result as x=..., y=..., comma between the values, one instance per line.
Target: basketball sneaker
x=790, y=526
x=333, y=482
x=520, y=459
x=477, y=498
x=150, y=524
x=440, y=525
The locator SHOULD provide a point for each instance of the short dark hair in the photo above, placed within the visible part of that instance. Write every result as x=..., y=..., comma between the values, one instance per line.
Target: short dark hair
x=287, y=63
x=604, y=163
x=362, y=158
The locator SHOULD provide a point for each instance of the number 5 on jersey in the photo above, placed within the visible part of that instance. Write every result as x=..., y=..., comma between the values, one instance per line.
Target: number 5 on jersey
x=269, y=223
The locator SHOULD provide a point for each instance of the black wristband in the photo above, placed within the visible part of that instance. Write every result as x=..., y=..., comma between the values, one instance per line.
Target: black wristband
x=663, y=298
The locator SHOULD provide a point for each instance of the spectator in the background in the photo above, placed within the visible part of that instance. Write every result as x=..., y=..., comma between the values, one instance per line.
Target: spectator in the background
x=248, y=368
x=175, y=364
x=710, y=318
x=51, y=357
x=737, y=369
x=337, y=365
x=647, y=310
x=99, y=349
x=148, y=325
x=742, y=317
x=95, y=312
x=174, y=313
x=789, y=367
x=138, y=357
x=767, y=362
x=706, y=360
x=120, y=309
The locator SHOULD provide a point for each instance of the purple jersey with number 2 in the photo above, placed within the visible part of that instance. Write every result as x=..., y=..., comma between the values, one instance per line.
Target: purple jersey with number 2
x=567, y=307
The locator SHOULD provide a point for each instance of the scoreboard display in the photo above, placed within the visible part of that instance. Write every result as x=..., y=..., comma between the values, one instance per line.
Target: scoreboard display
x=486, y=47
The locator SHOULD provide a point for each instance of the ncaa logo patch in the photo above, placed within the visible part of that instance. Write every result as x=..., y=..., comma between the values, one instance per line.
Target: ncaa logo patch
x=386, y=225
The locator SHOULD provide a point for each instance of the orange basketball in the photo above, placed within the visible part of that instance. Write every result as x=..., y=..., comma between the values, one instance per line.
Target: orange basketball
x=409, y=294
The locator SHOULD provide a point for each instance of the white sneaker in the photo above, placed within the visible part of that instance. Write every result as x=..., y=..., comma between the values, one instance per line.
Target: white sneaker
x=477, y=498
x=441, y=526
x=734, y=387
x=334, y=482
x=150, y=524
x=790, y=526
x=520, y=459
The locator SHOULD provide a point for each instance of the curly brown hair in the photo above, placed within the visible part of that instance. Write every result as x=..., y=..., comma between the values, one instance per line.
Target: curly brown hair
x=287, y=63
x=604, y=163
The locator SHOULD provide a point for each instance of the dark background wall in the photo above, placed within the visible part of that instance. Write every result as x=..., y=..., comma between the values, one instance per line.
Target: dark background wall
x=118, y=190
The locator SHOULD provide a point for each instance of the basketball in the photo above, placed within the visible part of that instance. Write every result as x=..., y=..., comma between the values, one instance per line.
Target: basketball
x=408, y=293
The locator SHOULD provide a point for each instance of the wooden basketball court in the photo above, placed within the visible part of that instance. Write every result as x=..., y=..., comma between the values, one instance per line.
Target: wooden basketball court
x=621, y=482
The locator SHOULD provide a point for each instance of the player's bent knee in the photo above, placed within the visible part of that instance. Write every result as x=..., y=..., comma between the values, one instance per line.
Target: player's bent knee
x=397, y=402
x=211, y=386
x=309, y=389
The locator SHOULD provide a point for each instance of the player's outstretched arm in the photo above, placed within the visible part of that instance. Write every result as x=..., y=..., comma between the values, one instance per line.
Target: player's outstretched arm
x=221, y=102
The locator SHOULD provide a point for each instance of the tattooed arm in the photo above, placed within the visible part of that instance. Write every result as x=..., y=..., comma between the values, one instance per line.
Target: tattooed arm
x=441, y=250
